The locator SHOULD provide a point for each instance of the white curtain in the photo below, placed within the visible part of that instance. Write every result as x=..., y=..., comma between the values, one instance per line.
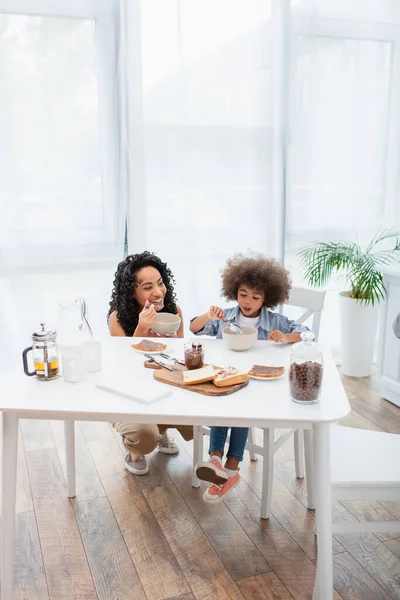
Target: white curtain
x=344, y=146
x=62, y=204
x=208, y=114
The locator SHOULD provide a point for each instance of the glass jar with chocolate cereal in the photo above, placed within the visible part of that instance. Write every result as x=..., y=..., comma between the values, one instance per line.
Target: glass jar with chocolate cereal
x=306, y=369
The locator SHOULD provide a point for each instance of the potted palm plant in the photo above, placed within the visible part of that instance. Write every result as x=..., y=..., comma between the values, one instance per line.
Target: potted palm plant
x=365, y=289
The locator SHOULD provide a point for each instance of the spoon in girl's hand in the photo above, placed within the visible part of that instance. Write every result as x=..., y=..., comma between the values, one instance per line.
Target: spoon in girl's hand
x=236, y=329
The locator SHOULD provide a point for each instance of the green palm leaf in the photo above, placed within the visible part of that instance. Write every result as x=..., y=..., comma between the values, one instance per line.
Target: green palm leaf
x=361, y=268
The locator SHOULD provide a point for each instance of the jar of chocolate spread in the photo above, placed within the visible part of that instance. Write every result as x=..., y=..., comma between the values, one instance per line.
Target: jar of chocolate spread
x=194, y=355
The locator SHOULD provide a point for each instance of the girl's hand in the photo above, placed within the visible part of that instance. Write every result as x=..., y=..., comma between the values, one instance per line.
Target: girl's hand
x=215, y=312
x=278, y=336
x=147, y=316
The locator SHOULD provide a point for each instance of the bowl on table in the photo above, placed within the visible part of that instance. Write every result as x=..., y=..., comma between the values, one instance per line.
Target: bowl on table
x=166, y=324
x=240, y=342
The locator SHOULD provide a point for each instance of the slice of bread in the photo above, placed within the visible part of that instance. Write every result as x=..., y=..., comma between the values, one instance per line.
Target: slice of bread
x=265, y=371
x=148, y=346
x=229, y=376
x=198, y=375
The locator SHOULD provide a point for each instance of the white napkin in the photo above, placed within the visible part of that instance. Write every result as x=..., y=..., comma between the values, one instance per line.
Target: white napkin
x=139, y=390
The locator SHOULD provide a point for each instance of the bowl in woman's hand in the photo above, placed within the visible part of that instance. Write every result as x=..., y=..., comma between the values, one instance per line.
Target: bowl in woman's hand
x=166, y=324
x=240, y=342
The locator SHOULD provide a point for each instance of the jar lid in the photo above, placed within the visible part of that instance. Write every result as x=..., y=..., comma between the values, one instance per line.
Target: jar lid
x=307, y=346
x=44, y=334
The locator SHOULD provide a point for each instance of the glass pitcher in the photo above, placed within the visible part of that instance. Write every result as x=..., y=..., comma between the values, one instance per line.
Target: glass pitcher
x=44, y=354
x=306, y=369
x=73, y=328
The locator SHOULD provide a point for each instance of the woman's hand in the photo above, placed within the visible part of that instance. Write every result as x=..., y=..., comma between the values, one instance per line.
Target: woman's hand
x=147, y=317
x=215, y=312
x=278, y=336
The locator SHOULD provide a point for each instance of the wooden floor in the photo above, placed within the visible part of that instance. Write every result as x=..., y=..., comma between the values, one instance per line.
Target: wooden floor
x=152, y=537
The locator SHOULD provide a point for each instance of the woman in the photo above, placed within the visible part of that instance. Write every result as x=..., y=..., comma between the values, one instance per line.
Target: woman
x=143, y=286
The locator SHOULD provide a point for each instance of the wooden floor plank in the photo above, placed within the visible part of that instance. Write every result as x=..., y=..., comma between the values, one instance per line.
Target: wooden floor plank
x=353, y=582
x=220, y=526
x=96, y=430
x=376, y=559
x=367, y=403
x=394, y=546
x=157, y=474
x=67, y=571
x=37, y=434
x=204, y=570
x=29, y=576
x=293, y=567
x=153, y=558
x=185, y=597
x=371, y=511
x=114, y=574
x=286, y=508
x=353, y=419
x=88, y=483
x=267, y=586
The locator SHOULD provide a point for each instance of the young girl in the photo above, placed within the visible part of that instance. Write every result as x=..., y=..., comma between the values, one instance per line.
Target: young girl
x=143, y=286
x=257, y=284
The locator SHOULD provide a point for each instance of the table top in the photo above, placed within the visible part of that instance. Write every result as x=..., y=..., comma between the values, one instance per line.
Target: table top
x=260, y=403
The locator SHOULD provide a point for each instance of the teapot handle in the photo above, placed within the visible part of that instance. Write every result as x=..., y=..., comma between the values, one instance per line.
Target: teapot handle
x=25, y=362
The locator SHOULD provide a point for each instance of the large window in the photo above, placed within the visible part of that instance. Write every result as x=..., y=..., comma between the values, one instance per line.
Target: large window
x=59, y=195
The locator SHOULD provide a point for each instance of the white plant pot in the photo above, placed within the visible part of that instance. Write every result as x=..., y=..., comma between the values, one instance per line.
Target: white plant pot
x=359, y=324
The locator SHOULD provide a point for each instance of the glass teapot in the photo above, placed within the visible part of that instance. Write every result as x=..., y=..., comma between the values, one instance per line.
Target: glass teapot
x=73, y=327
x=44, y=354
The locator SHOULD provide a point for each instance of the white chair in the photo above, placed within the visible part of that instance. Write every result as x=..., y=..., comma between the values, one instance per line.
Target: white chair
x=364, y=466
x=312, y=303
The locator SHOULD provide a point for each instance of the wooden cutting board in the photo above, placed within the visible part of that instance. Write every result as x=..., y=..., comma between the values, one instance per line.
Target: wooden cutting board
x=207, y=388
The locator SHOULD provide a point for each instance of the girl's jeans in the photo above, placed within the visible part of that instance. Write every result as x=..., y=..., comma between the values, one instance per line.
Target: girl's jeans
x=237, y=441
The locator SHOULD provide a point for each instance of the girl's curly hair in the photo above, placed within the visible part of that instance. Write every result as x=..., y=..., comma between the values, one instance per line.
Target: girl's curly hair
x=122, y=297
x=259, y=273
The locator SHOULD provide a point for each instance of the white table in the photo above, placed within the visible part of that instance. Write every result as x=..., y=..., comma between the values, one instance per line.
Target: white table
x=260, y=404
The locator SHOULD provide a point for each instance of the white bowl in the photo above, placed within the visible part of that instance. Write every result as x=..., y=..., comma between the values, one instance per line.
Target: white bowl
x=166, y=324
x=240, y=342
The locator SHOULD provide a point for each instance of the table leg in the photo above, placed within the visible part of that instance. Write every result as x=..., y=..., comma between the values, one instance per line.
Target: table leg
x=197, y=452
x=69, y=429
x=309, y=459
x=323, y=587
x=9, y=482
x=268, y=472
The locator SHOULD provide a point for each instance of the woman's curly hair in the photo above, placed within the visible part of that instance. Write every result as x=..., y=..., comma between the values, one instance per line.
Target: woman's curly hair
x=259, y=273
x=122, y=297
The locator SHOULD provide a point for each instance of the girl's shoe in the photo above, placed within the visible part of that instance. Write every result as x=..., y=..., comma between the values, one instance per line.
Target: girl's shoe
x=211, y=471
x=216, y=493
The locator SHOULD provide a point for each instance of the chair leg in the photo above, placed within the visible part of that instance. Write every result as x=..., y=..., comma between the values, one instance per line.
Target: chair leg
x=268, y=472
x=299, y=453
x=252, y=440
x=309, y=459
x=197, y=453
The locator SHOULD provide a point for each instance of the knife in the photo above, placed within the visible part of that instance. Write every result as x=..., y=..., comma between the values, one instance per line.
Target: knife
x=159, y=362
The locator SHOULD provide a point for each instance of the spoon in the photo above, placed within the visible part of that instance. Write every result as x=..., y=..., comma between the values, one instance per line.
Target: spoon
x=236, y=329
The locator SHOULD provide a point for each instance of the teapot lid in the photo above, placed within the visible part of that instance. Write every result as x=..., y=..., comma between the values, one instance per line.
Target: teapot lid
x=44, y=334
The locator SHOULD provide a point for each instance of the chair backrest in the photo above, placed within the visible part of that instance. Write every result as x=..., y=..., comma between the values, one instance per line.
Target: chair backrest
x=312, y=301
